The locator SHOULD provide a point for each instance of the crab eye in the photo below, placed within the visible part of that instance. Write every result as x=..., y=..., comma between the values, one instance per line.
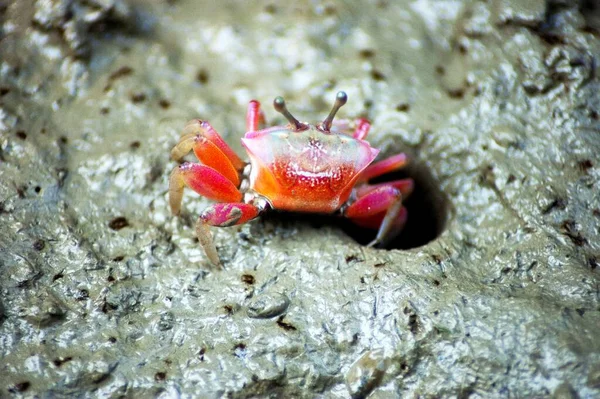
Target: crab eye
x=279, y=105
x=340, y=99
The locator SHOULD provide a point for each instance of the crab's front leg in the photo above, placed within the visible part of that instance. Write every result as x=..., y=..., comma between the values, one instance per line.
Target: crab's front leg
x=380, y=208
x=222, y=215
x=213, y=185
x=204, y=180
x=208, y=145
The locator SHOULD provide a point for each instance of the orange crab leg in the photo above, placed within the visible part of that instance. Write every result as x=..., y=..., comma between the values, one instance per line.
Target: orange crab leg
x=382, y=167
x=197, y=127
x=202, y=179
x=254, y=117
x=222, y=215
x=383, y=205
x=208, y=153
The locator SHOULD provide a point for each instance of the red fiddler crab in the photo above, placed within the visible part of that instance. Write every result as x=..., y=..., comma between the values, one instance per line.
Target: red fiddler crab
x=323, y=168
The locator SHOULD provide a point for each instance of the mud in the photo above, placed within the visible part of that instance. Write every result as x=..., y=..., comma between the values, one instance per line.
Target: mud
x=104, y=293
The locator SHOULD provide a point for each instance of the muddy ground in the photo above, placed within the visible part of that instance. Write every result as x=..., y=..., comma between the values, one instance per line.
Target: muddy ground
x=493, y=290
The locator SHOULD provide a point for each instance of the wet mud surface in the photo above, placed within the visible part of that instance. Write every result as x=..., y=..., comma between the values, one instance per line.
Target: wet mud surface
x=493, y=290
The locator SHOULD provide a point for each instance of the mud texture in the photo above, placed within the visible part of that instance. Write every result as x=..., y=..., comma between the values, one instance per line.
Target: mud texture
x=104, y=294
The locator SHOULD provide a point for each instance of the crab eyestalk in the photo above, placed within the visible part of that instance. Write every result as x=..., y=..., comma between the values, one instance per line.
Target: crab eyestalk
x=279, y=105
x=340, y=99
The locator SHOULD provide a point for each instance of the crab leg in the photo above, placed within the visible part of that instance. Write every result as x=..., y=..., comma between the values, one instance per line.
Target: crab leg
x=204, y=180
x=358, y=128
x=208, y=153
x=390, y=164
x=255, y=117
x=362, y=129
x=406, y=187
x=383, y=205
x=222, y=215
x=197, y=127
x=375, y=222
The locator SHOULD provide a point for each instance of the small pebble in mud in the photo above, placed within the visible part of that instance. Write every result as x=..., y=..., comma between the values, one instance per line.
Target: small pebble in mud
x=121, y=72
x=202, y=76
x=59, y=361
x=229, y=309
x=456, y=93
x=164, y=104
x=38, y=245
x=248, y=279
x=403, y=107
x=118, y=223
x=265, y=306
x=377, y=75
x=367, y=53
x=138, y=98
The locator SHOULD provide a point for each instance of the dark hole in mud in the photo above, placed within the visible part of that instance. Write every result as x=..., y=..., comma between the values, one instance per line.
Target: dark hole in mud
x=427, y=212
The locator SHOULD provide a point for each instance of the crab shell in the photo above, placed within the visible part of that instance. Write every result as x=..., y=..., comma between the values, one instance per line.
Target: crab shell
x=307, y=171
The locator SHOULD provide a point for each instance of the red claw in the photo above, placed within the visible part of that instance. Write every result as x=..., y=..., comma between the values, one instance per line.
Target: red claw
x=381, y=208
x=377, y=201
x=230, y=214
x=222, y=215
x=202, y=179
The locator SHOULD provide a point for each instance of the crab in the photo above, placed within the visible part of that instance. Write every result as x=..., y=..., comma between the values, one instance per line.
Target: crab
x=323, y=168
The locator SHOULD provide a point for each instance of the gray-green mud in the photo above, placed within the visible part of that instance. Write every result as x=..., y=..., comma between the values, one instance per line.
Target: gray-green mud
x=103, y=293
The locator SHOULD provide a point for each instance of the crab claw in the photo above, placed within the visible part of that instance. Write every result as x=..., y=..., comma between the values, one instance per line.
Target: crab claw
x=380, y=208
x=222, y=215
x=202, y=179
